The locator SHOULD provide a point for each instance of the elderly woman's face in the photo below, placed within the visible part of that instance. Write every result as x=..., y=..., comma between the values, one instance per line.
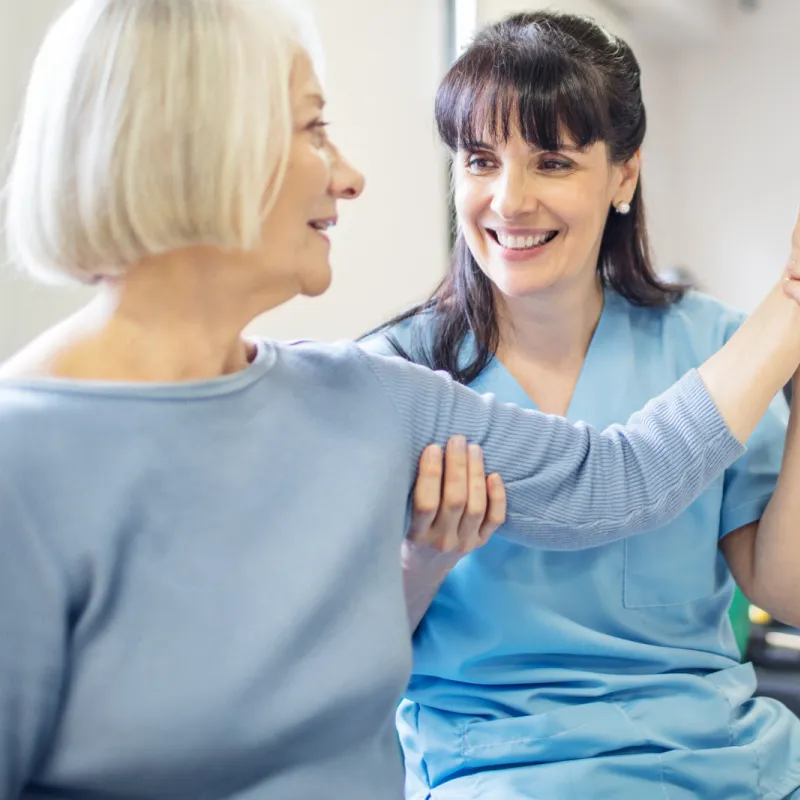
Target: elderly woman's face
x=317, y=176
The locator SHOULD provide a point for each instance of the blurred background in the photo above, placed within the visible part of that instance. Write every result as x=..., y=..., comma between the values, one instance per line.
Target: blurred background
x=721, y=174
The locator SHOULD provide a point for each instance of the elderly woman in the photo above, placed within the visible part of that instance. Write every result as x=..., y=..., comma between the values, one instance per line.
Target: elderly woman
x=194, y=600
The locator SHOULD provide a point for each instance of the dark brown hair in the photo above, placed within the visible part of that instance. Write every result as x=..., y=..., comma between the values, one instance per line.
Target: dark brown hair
x=548, y=75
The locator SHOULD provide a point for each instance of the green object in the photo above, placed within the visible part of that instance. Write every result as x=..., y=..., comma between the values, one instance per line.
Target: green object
x=740, y=619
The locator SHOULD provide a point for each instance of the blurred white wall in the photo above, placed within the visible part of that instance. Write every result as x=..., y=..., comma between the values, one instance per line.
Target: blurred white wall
x=489, y=10
x=384, y=60
x=737, y=135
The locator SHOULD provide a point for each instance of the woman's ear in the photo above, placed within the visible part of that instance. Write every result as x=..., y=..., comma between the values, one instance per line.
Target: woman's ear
x=629, y=178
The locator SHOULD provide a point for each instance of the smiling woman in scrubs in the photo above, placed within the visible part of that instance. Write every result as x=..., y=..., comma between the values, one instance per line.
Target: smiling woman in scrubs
x=611, y=672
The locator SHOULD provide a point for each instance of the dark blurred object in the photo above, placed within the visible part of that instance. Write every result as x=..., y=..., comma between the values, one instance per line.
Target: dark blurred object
x=787, y=392
x=781, y=686
x=774, y=649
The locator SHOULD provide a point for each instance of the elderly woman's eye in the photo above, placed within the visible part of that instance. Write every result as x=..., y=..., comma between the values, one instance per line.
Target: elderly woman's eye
x=317, y=127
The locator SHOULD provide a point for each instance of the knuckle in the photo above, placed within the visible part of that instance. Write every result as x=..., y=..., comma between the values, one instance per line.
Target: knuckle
x=425, y=508
x=430, y=470
x=455, y=498
x=477, y=502
x=473, y=518
x=448, y=543
x=498, y=516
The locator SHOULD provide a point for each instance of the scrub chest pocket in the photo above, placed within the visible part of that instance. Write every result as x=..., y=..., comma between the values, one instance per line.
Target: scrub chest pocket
x=677, y=563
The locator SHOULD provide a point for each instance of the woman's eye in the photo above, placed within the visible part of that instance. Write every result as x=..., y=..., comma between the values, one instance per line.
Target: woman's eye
x=555, y=165
x=477, y=164
x=317, y=128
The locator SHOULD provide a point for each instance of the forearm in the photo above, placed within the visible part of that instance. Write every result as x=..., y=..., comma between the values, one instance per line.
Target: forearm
x=572, y=487
x=756, y=362
x=775, y=578
x=424, y=571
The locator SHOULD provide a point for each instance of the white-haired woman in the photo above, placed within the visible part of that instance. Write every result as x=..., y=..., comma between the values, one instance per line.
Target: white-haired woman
x=194, y=600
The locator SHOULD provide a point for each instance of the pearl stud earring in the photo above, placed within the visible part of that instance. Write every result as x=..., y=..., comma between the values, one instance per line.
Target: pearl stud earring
x=623, y=208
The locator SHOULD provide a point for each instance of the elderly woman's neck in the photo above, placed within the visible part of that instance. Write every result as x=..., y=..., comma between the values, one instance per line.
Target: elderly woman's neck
x=554, y=326
x=182, y=315
x=174, y=318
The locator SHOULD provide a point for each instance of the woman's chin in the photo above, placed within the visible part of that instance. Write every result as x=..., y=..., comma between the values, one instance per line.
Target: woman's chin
x=522, y=288
x=317, y=283
x=528, y=283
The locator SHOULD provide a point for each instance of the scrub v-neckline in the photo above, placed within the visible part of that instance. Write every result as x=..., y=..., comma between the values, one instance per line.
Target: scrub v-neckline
x=583, y=401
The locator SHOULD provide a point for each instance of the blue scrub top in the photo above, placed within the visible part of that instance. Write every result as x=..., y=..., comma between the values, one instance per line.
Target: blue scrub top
x=611, y=672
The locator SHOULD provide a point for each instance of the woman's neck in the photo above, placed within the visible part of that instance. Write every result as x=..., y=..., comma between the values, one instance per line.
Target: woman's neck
x=551, y=328
x=175, y=318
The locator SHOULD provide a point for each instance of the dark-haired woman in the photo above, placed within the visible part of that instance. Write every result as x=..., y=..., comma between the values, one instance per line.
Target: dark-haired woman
x=611, y=672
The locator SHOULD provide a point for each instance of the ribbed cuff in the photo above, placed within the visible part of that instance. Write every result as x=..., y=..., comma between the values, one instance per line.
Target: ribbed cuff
x=690, y=393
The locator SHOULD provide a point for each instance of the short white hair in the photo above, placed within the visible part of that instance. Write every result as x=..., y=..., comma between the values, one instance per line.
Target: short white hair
x=152, y=125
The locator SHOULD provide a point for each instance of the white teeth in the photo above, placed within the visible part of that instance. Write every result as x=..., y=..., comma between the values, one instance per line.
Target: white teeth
x=521, y=242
